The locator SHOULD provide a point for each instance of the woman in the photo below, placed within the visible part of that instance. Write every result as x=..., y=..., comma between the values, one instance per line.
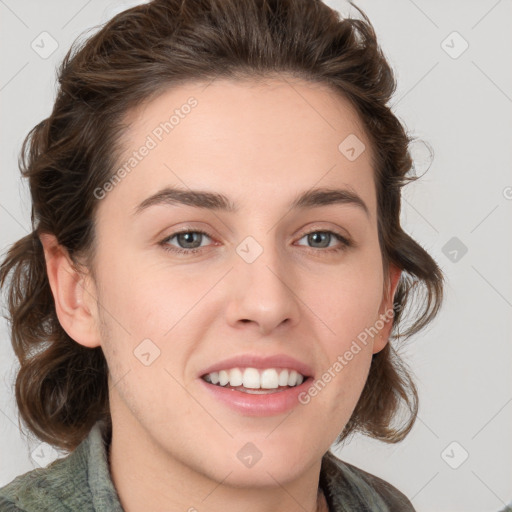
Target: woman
x=179, y=331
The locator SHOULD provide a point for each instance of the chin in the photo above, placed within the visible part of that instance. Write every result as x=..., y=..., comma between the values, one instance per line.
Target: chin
x=263, y=463
x=263, y=474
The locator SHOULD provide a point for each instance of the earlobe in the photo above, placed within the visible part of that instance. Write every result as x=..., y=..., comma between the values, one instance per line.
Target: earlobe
x=386, y=309
x=74, y=303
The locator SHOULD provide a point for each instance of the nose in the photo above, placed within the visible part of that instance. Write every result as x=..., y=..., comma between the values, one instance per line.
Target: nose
x=263, y=293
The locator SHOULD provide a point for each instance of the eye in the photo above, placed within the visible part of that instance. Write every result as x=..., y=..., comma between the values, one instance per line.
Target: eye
x=185, y=238
x=323, y=237
x=189, y=241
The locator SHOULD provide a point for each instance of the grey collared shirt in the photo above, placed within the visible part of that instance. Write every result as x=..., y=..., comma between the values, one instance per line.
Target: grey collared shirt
x=81, y=482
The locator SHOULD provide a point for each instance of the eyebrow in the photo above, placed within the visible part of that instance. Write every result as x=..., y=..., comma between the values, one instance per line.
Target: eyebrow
x=214, y=201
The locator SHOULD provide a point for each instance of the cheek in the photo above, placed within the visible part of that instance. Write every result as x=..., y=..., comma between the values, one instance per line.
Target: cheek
x=140, y=299
x=152, y=317
x=349, y=300
x=349, y=309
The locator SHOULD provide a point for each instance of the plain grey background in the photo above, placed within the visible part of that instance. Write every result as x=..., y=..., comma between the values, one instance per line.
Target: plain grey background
x=452, y=61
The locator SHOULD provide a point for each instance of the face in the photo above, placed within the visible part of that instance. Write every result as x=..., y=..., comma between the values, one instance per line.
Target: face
x=184, y=287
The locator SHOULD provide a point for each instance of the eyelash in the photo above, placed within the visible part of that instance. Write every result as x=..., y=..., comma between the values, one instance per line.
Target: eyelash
x=345, y=243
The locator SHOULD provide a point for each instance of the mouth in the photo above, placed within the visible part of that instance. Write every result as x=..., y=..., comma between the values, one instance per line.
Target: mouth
x=257, y=385
x=256, y=381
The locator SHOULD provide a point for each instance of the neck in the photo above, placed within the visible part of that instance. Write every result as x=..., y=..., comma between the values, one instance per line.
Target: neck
x=147, y=478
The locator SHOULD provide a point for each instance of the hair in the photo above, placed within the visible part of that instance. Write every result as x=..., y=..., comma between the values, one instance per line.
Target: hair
x=61, y=386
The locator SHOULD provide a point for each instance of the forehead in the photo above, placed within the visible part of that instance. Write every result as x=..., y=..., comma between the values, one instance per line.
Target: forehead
x=266, y=140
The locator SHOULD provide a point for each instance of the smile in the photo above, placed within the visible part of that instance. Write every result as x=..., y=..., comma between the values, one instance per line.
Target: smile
x=251, y=379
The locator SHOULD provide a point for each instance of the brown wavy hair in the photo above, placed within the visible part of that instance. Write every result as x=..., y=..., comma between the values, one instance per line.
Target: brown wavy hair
x=61, y=386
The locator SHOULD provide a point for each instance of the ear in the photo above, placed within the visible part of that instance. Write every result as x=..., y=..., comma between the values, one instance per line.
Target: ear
x=386, y=308
x=75, y=304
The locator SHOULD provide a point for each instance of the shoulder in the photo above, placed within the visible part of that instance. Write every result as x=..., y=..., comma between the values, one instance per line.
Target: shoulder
x=78, y=481
x=8, y=506
x=50, y=488
x=348, y=484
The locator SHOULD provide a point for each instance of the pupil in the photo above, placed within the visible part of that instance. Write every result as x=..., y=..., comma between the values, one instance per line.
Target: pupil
x=320, y=234
x=187, y=238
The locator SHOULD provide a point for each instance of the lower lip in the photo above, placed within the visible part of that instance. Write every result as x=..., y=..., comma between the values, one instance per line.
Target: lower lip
x=258, y=405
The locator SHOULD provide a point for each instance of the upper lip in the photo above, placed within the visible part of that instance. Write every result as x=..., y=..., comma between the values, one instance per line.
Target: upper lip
x=261, y=362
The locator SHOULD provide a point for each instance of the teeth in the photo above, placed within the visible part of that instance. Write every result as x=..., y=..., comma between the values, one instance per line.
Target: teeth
x=269, y=379
x=223, y=377
x=252, y=378
x=235, y=377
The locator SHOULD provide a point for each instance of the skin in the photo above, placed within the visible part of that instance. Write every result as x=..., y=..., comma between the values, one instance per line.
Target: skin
x=260, y=144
